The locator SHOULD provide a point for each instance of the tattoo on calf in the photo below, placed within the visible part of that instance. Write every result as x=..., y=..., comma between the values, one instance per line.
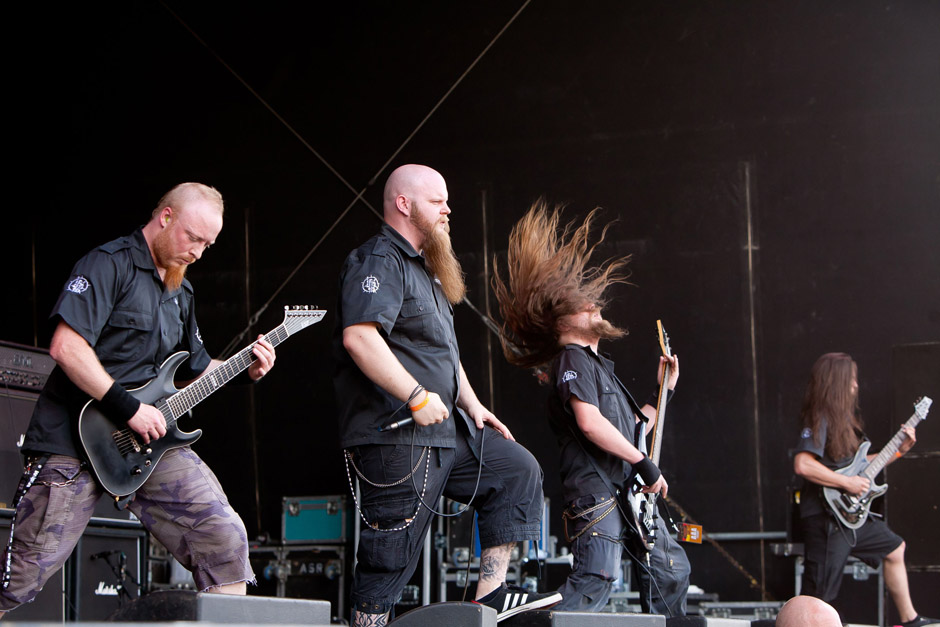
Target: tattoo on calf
x=494, y=562
x=362, y=619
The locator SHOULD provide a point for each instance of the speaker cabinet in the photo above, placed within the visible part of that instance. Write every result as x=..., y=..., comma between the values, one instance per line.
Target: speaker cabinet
x=551, y=618
x=186, y=605
x=16, y=408
x=453, y=614
x=104, y=572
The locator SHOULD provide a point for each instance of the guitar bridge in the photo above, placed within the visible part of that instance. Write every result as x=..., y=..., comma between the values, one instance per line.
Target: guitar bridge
x=125, y=441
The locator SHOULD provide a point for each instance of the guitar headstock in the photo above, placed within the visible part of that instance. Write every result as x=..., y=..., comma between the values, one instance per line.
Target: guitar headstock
x=922, y=406
x=297, y=317
x=663, y=339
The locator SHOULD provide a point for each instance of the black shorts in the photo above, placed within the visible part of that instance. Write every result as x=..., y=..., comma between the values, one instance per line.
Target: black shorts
x=509, y=505
x=829, y=544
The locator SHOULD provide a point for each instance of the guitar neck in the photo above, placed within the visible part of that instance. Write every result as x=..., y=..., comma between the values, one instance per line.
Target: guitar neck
x=201, y=388
x=656, y=446
x=884, y=456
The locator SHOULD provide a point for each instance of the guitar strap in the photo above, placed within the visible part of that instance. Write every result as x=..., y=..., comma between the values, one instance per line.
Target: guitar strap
x=614, y=492
x=30, y=473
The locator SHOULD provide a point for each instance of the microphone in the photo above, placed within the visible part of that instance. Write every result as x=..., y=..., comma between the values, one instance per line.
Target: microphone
x=103, y=554
x=397, y=425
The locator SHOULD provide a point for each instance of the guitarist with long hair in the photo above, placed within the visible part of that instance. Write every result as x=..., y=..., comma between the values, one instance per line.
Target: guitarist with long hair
x=830, y=438
x=125, y=308
x=551, y=306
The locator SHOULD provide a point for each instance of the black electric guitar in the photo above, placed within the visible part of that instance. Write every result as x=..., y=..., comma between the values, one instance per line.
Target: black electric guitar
x=851, y=510
x=643, y=506
x=119, y=460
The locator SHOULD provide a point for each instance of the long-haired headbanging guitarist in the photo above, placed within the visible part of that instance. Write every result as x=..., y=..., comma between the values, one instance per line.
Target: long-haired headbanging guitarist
x=551, y=305
x=830, y=438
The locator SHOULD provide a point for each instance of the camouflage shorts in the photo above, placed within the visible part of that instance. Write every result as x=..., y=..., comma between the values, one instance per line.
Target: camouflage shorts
x=182, y=505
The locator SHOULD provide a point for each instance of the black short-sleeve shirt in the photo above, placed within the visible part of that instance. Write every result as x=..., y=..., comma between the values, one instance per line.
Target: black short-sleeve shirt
x=386, y=281
x=811, y=502
x=115, y=299
x=579, y=371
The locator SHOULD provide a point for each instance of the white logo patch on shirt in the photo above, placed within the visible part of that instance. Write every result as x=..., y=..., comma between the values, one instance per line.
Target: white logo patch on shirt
x=807, y=432
x=370, y=285
x=569, y=375
x=78, y=285
x=199, y=335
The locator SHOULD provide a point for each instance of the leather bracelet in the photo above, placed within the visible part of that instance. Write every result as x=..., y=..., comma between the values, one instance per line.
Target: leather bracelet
x=118, y=403
x=427, y=398
x=654, y=397
x=647, y=470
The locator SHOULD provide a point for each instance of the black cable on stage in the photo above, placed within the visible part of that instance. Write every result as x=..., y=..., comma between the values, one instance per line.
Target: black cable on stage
x=649, y=573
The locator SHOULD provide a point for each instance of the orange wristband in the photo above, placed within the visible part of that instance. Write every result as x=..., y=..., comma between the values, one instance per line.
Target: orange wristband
x=427, y=398
x=898, y=454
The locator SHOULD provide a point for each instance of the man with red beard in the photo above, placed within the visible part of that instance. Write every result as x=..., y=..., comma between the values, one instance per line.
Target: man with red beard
x=125, y=308
x=398, y=358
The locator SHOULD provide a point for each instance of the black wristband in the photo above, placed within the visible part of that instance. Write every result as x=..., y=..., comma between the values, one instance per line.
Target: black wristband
x=118, y=403
x=654, y=397
x=647, y=470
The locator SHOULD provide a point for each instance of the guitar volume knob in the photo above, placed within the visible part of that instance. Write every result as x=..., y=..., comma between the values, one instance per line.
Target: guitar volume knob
x=136, y=470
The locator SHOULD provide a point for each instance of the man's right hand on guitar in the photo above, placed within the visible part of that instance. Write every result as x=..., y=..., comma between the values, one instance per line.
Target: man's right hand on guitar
x=857, y=485
x=148, y=423
x=659, y=487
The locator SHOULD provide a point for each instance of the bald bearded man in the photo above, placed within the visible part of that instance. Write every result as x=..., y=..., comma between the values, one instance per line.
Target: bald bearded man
x=398, y=358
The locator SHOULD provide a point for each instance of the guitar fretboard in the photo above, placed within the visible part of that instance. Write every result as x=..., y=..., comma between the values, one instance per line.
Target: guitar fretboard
x=175, y=406
x=891, y=448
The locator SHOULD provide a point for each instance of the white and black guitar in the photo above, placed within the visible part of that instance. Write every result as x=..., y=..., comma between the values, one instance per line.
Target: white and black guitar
x=643, y=506
x=119, y=460
x=851, y=510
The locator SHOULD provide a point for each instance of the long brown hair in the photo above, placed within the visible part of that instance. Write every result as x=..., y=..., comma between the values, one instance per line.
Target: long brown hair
x=548, y=279
x=831, y=396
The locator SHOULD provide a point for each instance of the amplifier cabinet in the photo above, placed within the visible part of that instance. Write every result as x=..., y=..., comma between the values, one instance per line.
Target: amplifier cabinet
x=88, y=587
x=16, y=408
x=105, y=571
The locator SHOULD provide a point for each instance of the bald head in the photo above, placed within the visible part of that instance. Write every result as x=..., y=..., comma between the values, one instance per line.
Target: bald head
x=412, y=182
x=806, y=610
x=415, y=202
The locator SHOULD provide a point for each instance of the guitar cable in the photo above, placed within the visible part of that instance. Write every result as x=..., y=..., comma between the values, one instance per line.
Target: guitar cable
x=646, y=567
x=476, y=487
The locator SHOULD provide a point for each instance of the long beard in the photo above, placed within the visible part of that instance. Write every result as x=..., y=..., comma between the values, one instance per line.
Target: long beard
x=605, y=330
x=173, y=272
x=174, y=277
x=441, y=261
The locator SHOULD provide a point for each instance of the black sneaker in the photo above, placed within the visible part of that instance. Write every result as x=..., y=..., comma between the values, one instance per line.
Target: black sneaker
x=511, y=600
x=920, y=621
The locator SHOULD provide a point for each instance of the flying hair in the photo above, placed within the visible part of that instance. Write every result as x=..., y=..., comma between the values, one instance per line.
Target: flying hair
x=549, y=278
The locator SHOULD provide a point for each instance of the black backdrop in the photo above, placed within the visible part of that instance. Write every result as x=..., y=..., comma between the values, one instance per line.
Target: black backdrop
x=774, y=168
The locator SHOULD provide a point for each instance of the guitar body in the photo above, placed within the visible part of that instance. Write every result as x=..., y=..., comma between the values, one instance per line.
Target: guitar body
x=852, y=511
x=642, y=508
x=120, y=461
